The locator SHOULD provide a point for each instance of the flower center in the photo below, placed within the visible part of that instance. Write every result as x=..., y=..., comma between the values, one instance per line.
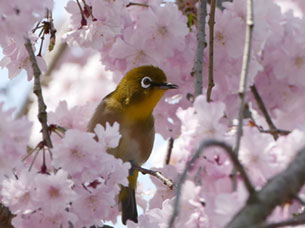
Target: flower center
x=220, y=38
x=162, y=30
x=53, y=192
x=299, y=62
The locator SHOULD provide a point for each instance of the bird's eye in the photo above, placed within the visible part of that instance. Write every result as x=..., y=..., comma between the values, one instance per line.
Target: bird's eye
x=146, y=82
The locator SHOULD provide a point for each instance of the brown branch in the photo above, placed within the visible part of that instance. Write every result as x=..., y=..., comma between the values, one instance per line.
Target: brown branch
x=235, y=161
x=168, y=182
x=276, y=131
x=211, y=24
x=280, y=189
x=42, y=114
x=169, y=150
x=261, y=105
x=197, y=68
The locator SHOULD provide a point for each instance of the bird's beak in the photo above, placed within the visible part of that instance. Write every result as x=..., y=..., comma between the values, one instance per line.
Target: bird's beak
x=166, y=86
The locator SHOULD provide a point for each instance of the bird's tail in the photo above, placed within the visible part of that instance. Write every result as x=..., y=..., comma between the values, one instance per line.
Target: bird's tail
x=127, y=198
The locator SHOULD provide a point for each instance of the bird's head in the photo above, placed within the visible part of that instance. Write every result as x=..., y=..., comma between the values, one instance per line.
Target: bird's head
x=141, y=89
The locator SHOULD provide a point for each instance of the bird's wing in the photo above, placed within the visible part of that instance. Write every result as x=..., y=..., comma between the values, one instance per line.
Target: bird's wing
x=108, y=110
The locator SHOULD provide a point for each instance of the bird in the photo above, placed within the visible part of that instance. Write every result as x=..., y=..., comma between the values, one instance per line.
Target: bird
x=131, y=104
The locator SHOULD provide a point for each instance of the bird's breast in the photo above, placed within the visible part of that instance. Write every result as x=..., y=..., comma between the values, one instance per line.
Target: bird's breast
x=136, y=142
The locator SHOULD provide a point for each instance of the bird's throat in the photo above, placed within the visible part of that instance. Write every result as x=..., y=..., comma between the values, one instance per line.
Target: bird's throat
x=143, y=110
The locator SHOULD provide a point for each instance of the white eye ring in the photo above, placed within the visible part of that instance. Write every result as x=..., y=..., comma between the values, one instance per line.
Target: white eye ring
x=146, y=82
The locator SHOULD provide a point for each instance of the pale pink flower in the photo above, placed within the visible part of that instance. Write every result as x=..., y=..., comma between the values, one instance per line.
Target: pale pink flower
x=165, y=29
x=46, y=220
x=92, y=207
x=14, y=137
x=108, y=136
x=255, y=155
x=19, y=194
x=53, y=192
x=76, y=117
x=163, y=192
x=78, y=152
x=133, y=49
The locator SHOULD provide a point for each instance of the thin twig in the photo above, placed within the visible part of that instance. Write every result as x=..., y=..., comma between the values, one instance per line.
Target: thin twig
x=42, y=113
x=262, y=107
x=277, y=191
x=83, y=20
x=277, y=131
x=244, y=73
x=197, y=154
x=197, y=68
x=136, y=4
x=168, y=182
x=243, y=79
x=262, y=130
x=169, y=150
x=211, y=24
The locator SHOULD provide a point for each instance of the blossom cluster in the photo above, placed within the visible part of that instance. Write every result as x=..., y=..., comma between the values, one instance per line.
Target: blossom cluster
x=81, y=181
x=79, y=178
x=17, y=21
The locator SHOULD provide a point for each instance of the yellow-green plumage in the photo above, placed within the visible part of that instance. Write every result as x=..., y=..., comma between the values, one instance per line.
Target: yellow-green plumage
x=131, y=105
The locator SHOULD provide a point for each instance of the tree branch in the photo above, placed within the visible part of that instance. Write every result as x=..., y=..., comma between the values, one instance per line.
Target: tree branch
x=243, y=80
x=197, y=154
x=280, y=189
x=197, y=68
x=211, y=50
x=262, y=107
x=244, y=73
x=168, y=182
x=169, y=150
x=42, y=114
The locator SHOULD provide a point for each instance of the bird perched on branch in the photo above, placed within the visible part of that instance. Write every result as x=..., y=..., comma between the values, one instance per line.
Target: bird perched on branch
x=131, y=105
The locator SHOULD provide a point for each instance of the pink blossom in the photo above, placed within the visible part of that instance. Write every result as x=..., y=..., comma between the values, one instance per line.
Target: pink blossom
x=133, y=49
x=78, y=152
x=18, y=194
x=255, y=155
x=101, y=26
x=14, y=137
x=163, y=192
x=54, y=192
x=165, y=29
x=286, y=147
x=108, y=136
x=75, y=118
x=46, y=220
x=93, y=206
x=191, y=213
x=17, y=20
